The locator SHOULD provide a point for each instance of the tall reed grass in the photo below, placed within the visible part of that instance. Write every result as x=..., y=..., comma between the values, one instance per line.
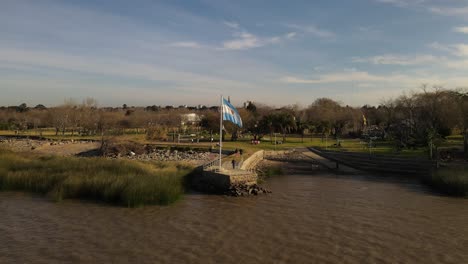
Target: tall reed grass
x=123, y=182
x=450, y=181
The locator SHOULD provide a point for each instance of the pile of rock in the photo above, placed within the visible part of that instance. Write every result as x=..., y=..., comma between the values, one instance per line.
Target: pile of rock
x=21, y=144
x=65, y=142
x=289, y=156
x=165, y=155
x=245, y=190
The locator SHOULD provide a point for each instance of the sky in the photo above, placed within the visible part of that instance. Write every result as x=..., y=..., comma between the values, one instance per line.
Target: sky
x=179, y=52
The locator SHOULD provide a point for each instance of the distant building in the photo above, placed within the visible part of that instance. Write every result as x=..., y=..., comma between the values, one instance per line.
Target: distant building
x=190, y=119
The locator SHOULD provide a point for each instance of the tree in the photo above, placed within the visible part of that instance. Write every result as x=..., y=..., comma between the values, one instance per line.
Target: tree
x=22, y=108
x=301, y=127
x=328, y=116
x=462, y=103
x=40, y=107
x=286, y=122
x=251, y=107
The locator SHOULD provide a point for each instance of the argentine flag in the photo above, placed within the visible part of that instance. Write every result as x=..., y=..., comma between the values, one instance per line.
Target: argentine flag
x=230, y=113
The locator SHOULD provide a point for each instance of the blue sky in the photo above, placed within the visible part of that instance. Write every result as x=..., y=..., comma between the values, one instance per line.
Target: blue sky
x=189, y=52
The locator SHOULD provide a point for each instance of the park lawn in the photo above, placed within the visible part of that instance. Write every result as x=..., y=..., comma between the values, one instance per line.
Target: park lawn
x=292, y=141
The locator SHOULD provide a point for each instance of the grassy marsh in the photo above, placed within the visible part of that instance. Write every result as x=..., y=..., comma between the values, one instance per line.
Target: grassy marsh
x=122, y=182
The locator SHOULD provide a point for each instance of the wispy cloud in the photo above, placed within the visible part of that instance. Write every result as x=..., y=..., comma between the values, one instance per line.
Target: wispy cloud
x=245, y=40
x=233, y=25
x=109, y=66
x=369, y=78
x=312, y=29
x=463, y=30
x=444, y=10
x=290, y=35
x=347, y=76
x=460, y=50
x=450, y=11
x=186, y=44
x=402, y=3
x=390, y=59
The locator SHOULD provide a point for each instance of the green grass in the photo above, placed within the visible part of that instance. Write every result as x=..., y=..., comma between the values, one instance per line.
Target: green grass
x=450, y=181
x=127, y=183
x=292, y=141
x=352, y=145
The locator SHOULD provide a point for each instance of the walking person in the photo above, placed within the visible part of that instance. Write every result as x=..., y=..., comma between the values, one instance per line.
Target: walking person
x=233, y=164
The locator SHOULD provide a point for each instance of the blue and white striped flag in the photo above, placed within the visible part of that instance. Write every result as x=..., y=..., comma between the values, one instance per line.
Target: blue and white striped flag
x=230, y=113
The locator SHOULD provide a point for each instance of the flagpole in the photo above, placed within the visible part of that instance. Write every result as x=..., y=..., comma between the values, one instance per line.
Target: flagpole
x=220, y=132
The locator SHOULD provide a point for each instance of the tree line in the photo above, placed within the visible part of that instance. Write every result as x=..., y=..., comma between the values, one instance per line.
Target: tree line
x=418, y=119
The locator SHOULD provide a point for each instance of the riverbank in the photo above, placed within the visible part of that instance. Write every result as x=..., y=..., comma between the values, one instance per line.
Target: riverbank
x=120, y=182
x=451, y=181
x=449, y=178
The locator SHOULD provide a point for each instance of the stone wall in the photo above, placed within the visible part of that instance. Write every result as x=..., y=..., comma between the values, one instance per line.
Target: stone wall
x=252, y=161
x=247, y=178
x=216, y=182
x=380, y=163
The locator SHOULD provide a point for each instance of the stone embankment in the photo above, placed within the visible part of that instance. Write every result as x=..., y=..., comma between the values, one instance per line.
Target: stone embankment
x=286, y=156
x=166, y=155
x=391, y=164
x=23, y=144
x=88, y=148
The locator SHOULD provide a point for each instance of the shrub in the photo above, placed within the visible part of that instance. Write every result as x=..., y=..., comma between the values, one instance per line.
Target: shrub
x=157, y=133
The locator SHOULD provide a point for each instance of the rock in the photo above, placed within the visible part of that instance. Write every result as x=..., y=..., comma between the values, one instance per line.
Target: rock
x=242, y=189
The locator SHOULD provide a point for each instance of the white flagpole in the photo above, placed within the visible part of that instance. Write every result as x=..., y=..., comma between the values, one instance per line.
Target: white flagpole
x=220, y=132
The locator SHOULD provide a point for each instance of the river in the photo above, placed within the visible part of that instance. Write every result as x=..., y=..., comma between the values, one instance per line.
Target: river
x=321, y=218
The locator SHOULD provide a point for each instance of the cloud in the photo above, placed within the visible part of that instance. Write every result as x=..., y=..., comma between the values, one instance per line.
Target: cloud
x=402, y=3
x=348, y=76
x=186, y=44
x=291, y=35
x=450, y=11
x=461, y=11
x=460, y=50
x=242, y=40
x=457, y=64
x=245, y=40
x=312, y=29
x=390, y=59
x=368, y=78
x=112, y=67
x=445, y=62
x=233, y=25
x=463, y=30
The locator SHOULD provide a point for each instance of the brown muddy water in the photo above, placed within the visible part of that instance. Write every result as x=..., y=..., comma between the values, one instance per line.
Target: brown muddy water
x=308, y=219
